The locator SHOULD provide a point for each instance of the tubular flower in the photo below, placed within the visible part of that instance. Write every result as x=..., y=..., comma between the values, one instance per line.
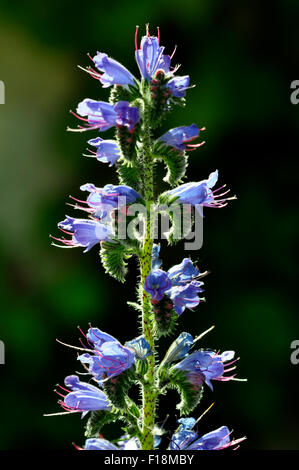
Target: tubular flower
x=187, y=439
x=178, y=284
x=108, y=151
x=140, y=347
x=156, y=261
x=150, y=57
x=179, y=348
x=101, y=115
x=101, y=201
x=82, y=397
x=156, y=283
x=185, y=296
x=183, y=272
x=200, y=193
x=103, y=444
x=203, y=366
x=84, y=232
x=109, y=359
x=179, y=137
x=126, y=115
x=114, y=72
x=178, y=86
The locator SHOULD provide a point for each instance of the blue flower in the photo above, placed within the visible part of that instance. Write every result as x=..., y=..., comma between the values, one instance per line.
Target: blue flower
x=84, y=232
x=178, y=86
x=83, y=397
x=99, y=444
x=156, y=261
x=203, y=366
x=179, y=348
x=186, y=439
x=182, y=273
x=157, y=283
x=102, y=200
x=179, y=137
x=110, y=358
x=187, y=423
x=114, y=72
x=185, y=296
x=101, y=115
x=103, y=444
x=178, y=283
x=108, y=151
x=150, y=57
x=200, y=193
x=140, y=347
x=126, y=115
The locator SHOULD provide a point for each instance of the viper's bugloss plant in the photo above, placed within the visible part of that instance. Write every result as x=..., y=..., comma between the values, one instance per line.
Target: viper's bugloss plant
x=121, y=219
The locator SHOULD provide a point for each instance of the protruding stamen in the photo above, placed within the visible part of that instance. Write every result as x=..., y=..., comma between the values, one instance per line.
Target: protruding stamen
x=136, y=38
x=175, y=47
x=208, y=409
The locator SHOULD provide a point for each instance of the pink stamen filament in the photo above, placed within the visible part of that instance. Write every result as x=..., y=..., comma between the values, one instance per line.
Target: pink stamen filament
x=175, y=47
x=136, y=38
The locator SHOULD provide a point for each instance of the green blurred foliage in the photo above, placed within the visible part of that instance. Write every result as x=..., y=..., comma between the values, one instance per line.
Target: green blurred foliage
x=242, y=56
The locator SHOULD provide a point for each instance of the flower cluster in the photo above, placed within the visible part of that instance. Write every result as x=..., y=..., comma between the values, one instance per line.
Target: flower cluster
x=134, y=111
x=108, y=359
x=185, y=438
x=179, y=284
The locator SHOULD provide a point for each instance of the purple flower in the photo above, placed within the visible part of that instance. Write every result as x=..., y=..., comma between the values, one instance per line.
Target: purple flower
x=178, y=284
x=84, y=232
x=108, y=151
x=186, y=439
x=82, y=397
x=99, y=444
x=114, y=72
x=157, y=283
x=182, y=273
x=150, y=57
x=178, y=86
x=126, y=115
x=179, y=348
x=101, y=115
x=156, y=261
x=109, y=359
x=140, y=347
x=103, y=444
x=185, y=296
x=200, y=193
x=183, y=436
x=101, y=201
x=179, y=137
x=203, y=366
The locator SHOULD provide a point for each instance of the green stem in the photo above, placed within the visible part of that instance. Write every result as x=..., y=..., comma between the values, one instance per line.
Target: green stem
x=148, y=388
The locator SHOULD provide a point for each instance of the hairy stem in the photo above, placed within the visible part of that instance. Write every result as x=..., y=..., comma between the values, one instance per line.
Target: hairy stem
x=148, y=388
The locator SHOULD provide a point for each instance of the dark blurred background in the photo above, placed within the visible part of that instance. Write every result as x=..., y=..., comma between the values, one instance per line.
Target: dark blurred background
x=242, y=57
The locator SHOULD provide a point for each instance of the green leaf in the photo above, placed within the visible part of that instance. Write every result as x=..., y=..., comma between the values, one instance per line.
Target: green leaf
x=129, y=175
x=175, y=160
x=189, y=394
x=97, y=420
x=117, y=387
x=135, y=306
x=113, y=256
